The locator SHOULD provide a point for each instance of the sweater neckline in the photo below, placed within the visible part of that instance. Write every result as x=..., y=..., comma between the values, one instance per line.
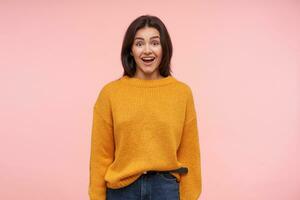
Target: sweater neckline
x=148, y=82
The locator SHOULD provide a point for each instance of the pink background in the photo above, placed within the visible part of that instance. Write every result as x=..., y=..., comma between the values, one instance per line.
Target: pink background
x=242, y=61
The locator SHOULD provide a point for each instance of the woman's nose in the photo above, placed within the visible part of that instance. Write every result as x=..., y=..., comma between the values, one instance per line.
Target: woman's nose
x=147, y=48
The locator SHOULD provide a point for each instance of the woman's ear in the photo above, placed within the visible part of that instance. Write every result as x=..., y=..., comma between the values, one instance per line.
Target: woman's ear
x=131, y=53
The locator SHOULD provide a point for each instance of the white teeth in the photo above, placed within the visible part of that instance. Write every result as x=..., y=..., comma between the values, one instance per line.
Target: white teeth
x=148, y=59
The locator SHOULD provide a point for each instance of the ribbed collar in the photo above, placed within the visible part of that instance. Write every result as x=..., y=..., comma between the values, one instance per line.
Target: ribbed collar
x=148, y=83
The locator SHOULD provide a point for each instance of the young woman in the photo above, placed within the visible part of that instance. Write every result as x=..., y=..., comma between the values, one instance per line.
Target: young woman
x=144, y=135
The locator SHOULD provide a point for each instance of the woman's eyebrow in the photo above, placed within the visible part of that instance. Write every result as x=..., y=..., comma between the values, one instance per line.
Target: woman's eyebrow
x=143, y=38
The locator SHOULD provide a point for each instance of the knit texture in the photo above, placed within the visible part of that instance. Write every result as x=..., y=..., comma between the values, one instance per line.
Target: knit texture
x=141, y=125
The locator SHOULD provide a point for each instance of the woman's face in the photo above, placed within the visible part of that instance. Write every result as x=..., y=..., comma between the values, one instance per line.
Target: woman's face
x=147, y=51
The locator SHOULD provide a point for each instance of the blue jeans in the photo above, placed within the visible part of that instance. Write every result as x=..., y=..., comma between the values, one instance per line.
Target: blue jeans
x=158, y=186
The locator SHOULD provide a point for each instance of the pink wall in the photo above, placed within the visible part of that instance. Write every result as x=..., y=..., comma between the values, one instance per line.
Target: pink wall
x=242, y=61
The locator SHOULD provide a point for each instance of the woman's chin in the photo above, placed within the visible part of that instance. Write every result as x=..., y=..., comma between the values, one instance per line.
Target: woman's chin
x=148, y=69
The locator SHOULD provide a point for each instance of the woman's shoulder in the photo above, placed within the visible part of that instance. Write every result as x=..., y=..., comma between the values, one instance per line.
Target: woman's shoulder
x=184, y=86
x=109, y=87
x=113, y=85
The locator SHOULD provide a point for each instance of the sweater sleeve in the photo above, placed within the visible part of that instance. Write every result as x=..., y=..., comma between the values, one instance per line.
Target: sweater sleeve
x=189, y=154
x=102, y=146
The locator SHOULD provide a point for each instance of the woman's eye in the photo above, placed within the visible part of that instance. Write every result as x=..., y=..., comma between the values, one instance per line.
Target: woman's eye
x=140, y=44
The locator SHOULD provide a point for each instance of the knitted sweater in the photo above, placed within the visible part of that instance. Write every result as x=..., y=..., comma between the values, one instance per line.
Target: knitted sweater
x=141, y=125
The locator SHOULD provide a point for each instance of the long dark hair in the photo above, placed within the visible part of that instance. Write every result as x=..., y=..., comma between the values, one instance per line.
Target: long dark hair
x=128, y=61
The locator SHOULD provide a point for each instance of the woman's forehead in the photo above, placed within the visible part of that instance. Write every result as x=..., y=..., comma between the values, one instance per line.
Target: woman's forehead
x=147, y=32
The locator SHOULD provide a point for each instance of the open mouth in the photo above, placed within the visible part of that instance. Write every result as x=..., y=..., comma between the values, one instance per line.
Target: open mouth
x=148, y=60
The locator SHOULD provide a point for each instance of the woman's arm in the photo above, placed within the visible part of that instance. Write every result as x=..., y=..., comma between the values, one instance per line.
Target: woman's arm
x=189, y=154
x=102, y=146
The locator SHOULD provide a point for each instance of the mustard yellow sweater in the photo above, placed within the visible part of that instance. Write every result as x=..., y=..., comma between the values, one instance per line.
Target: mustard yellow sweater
x=141, y=125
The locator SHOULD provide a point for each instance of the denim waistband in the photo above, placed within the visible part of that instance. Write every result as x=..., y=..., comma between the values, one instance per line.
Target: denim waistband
x=181, y=170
